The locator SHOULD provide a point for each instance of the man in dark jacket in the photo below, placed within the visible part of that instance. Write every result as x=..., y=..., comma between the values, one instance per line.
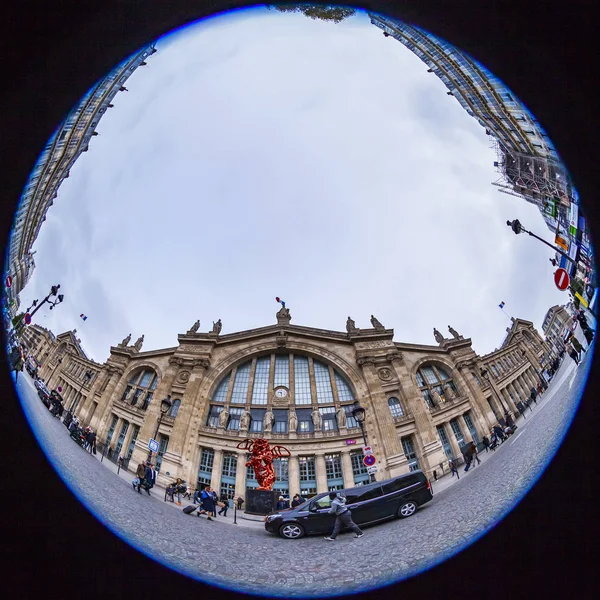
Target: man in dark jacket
x=148, y=479
x=225, y=501
x=343, y=516
x=296, y=501
x=140, y=472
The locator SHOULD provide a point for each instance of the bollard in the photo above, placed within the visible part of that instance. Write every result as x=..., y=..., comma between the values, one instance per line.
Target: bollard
x=235, y=513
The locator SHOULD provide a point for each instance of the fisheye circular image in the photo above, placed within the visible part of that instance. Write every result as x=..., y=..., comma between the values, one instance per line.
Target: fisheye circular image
x=302, y=282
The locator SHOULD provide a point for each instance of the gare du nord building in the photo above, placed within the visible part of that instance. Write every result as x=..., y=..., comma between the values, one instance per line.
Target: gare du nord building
x=294, y=386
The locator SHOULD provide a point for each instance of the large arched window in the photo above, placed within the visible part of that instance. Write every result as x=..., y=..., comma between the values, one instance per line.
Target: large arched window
x=308, y=383
x=140, y=388
x=395, y=407
x=430, y=378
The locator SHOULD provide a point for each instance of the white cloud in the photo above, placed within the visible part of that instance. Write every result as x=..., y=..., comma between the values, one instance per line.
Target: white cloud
x=263, y=154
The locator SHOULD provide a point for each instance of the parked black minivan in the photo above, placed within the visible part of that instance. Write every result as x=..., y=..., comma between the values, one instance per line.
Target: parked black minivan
x=370, y=503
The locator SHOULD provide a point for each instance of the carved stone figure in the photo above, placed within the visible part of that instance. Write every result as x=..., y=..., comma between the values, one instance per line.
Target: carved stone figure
x=341, y=417
x=269, y=420
x=217, y=327
x=316, y=419
x=376, y=324
x=223, y=417
x=438, y=336
x=292, y=421
x=449, y=392
x=194, y=328
x=283, y=316
x=245, y=420
x=125, y=342
x=454, y=333
x=138, y=343
x=351, y=326
x=437, y=399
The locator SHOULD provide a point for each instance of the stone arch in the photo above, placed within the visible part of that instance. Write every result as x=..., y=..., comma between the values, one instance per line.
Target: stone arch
x=130, y=371
x=220, y=369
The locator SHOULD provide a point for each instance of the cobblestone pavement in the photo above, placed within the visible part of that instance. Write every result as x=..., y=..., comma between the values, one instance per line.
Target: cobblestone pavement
x=460, y=512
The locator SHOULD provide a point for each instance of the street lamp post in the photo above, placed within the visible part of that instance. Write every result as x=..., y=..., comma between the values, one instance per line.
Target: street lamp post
x=518, y=228
x=165, y=407
x=57, y=300
x=358, y=412
x=86, y=379
x=485, y=374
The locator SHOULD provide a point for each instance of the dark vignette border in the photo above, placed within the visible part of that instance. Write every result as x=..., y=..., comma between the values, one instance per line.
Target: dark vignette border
x=54, y=51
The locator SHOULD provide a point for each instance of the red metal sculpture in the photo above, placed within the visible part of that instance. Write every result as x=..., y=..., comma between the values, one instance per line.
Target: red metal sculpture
x=261, y=460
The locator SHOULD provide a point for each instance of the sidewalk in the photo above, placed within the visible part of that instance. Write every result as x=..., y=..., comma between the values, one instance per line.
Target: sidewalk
x=447, y=480
x=157, y=493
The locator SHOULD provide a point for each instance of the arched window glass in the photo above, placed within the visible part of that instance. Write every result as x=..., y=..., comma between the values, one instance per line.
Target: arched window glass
x=254, y=380
x=302, y=389
x=395, y=407
x=175, y=408
x=432, y=378
x=344, y=392
x=324, y=391
x=140, y=389
x=221, y=392
x=240, y=386
x=261, y=380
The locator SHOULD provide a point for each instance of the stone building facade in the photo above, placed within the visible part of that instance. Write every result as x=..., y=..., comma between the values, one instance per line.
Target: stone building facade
x=294, y=385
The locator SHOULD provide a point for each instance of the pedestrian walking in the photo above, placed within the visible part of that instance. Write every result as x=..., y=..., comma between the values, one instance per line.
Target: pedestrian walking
x=153, y=475
x=486, y=443
x=453, y=468
x=573, y=354
x=239, y=501
x=215, y=501
x=434, y=475
x=540, y=389
x=499, y=433
x=343, y=516
x=139, y=476
x=282, y=503
x=224, y=504
x=147, y=483
x=90, y=438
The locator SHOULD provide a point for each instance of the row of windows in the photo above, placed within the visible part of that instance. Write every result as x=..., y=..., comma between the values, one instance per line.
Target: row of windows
x=306, y=464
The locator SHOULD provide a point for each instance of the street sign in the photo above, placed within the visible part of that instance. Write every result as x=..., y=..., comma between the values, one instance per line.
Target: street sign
x=27, y=318
x=8, y=281
x=367, y=450
x=561, y=279
x=369, y=460
x=372, y=470
x=152, y=445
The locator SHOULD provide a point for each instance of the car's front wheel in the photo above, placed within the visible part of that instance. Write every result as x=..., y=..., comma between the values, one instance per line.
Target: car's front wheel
x=407, y=509
x=291, y=531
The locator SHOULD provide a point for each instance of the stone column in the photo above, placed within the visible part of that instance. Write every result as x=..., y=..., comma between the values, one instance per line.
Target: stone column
x=217, y=468
x=180, y=440
x=240, y=475
x=515, y=391
x=151, y=419
x=347, y=469
x=88, y=402
x=294, y=476
x=452, y=439
x=481, y=409
x=114, y=374
x=321, y=472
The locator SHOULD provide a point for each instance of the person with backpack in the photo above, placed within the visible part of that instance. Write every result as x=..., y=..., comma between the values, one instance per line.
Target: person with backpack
x=343, y=516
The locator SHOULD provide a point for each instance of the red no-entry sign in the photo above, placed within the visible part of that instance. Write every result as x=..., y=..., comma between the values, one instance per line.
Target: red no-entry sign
x=561, y=279
x=8, y=281
x=27, y=318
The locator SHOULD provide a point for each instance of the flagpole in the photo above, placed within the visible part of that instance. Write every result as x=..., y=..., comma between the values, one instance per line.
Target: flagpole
x=507, y=315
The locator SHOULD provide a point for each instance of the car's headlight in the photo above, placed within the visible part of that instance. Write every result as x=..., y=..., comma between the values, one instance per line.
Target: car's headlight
x=271, y=517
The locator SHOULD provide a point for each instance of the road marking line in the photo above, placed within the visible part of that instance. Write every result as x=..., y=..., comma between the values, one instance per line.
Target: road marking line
x=516, y=438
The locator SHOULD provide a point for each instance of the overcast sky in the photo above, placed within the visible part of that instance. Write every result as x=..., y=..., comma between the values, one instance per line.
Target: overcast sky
x=262, y=154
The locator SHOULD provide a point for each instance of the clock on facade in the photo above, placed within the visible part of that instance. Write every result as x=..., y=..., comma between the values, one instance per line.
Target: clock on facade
x=281, y=392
